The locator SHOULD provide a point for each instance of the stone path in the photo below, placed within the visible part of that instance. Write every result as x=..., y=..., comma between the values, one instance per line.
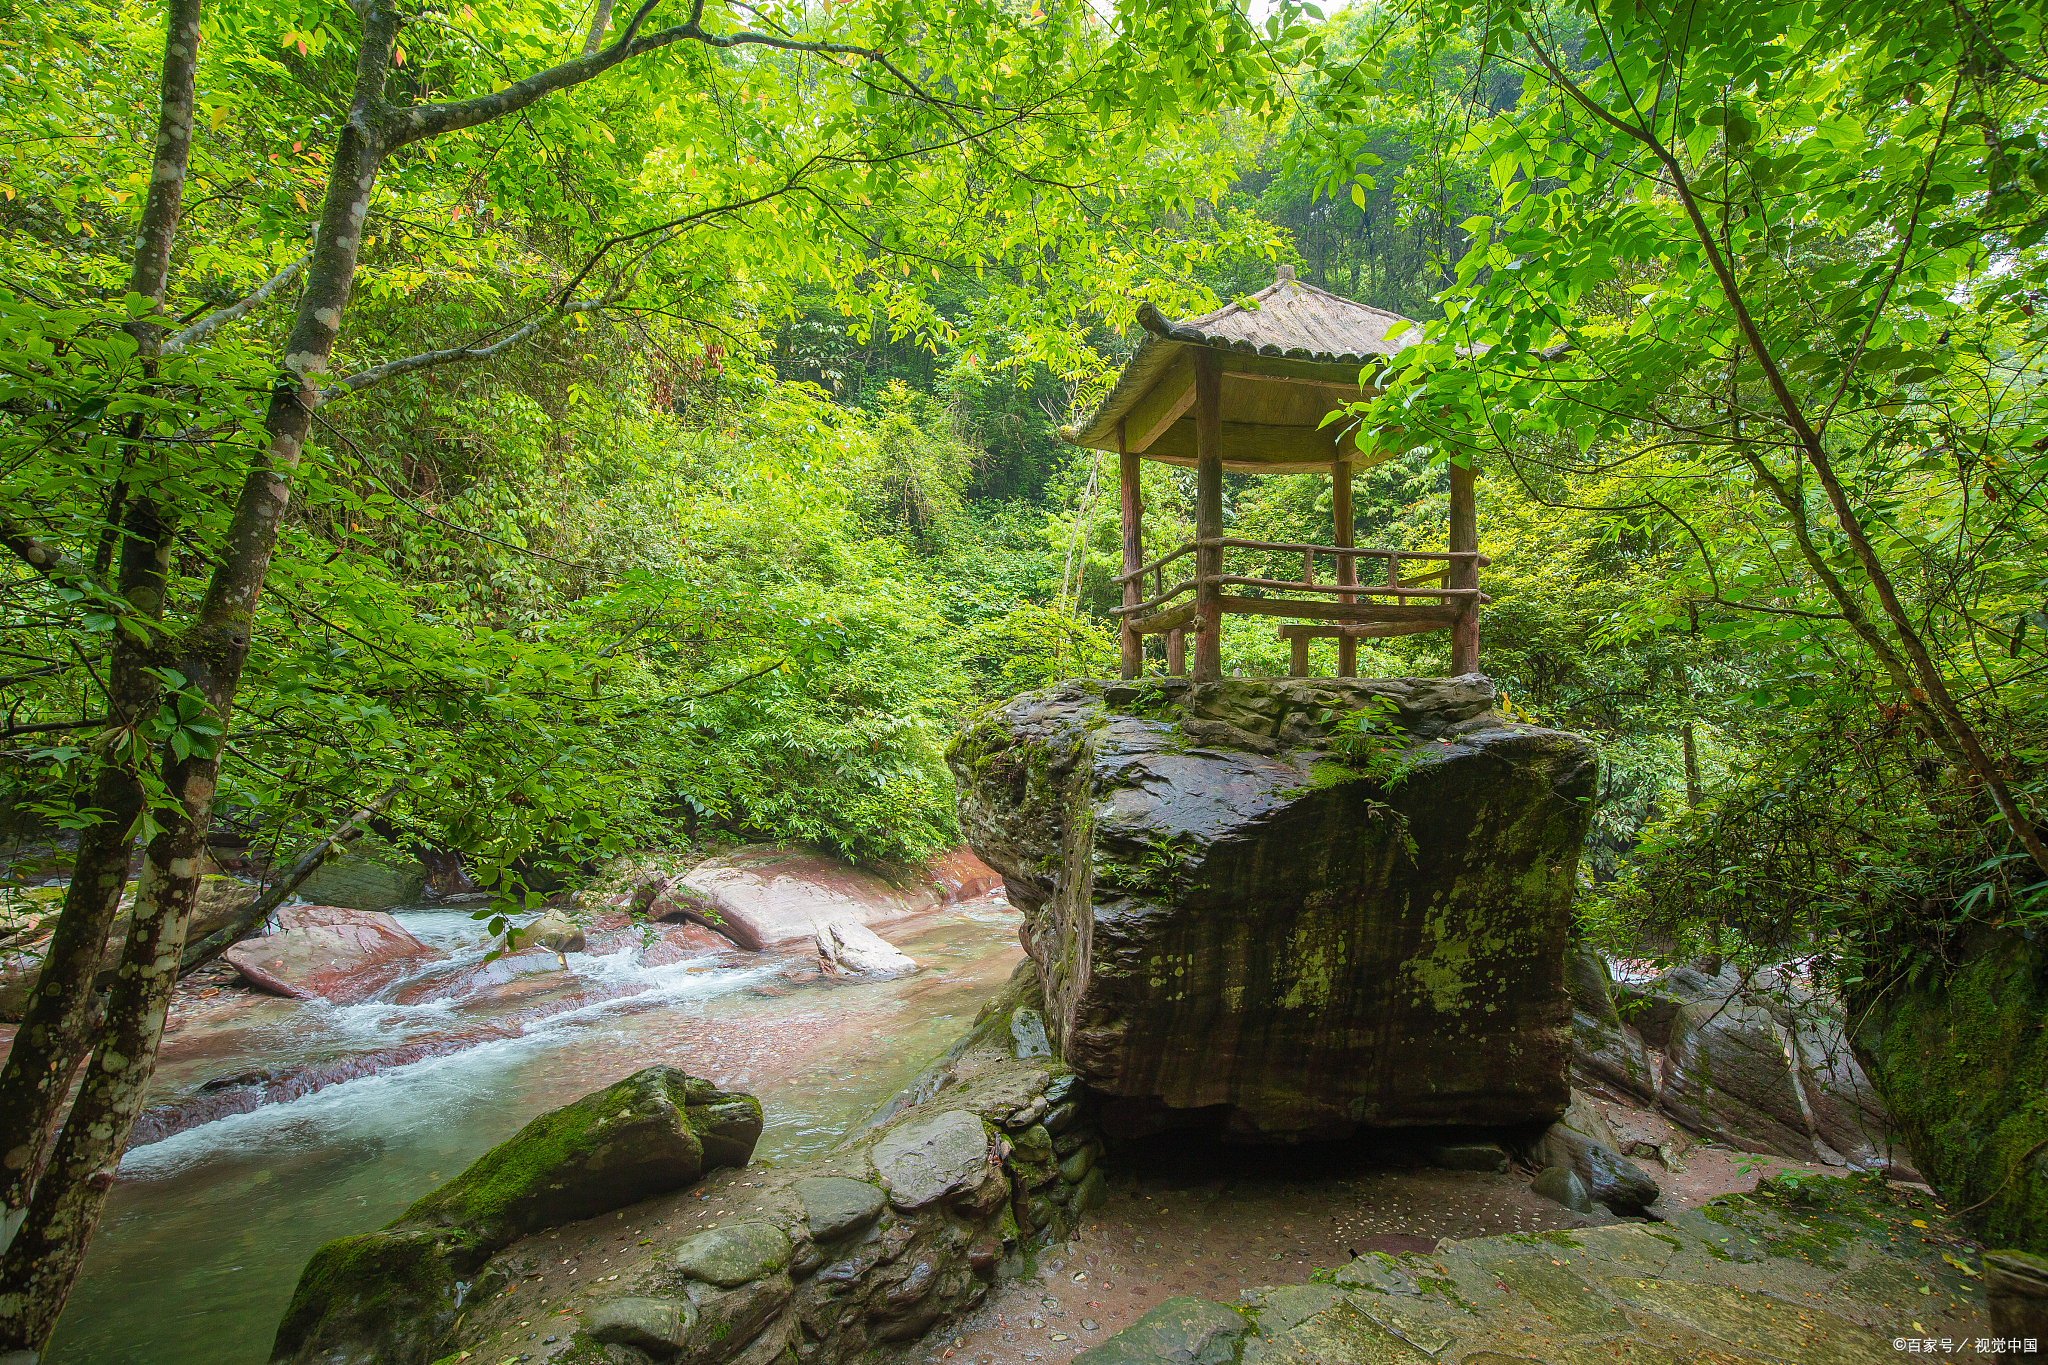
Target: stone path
x=1808, y=1271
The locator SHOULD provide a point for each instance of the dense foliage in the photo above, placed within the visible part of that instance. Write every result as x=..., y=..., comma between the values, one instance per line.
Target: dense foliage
x=575, y=430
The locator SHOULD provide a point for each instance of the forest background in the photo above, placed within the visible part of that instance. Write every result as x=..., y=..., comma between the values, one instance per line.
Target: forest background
x=736, y=549
x=687, y=462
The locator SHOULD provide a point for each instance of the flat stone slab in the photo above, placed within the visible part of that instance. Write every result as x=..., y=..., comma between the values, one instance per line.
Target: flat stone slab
x=1183, y=1331
x=730, y=1257
x=1802, y=1272
x=835, y=1205
x=928, y=1159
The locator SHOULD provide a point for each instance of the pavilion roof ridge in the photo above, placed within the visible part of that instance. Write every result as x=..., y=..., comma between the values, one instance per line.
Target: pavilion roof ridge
x=1297, y=330
x=1291, y=319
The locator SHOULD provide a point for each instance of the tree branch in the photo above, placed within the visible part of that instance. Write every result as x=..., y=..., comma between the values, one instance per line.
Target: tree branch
x=234, y=312
x=197, y=955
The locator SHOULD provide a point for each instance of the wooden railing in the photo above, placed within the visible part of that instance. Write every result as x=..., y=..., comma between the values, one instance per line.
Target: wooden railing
x=1389, y=605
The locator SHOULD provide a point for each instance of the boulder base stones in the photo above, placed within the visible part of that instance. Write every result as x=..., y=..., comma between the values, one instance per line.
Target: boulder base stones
x=328, y=953
x=929, y=1159
x=1582, y=1143
x=834, y=1205
x=730, y=1257
x=392, y=1296
x=2016, y=1288
x=1561, y=1185
x=1242, y=925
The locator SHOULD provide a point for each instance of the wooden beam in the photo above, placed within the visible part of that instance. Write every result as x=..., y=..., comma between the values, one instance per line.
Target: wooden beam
x=1249, y=447
x=1170, y=396
x=1381, y=630
x=1208, y=518
x=1132, y=509
x=1251, y=365
x=1464, y=572
x=1344, y=524
x=1357, y=613
x=1160, y=622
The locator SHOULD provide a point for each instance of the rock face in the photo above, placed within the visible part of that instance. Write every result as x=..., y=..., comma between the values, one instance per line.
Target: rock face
x=1763, y=1064
x=1962, y=1061
x=901, y=1227
x=390, y=1296
x=1607, y=1054
x=328, y=953
x=1244, y=925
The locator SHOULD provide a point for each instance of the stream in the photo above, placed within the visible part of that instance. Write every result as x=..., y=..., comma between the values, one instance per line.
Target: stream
x=207, y=1229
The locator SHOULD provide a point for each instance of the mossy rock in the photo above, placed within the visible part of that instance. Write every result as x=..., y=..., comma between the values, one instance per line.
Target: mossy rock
x=386, y=1296
x=1962, y=1063
x=391, y=1296
x=655, y=1131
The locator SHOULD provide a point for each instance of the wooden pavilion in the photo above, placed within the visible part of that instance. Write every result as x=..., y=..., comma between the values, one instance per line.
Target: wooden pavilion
x=1246, y=388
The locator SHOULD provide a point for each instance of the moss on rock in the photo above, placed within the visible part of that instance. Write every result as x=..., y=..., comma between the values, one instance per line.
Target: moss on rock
x=1962, y=1064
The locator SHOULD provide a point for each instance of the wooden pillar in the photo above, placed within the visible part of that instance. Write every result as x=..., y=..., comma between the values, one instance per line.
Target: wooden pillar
x=1208, y=517
x=1297, y=657
x=1464, y=573
x=1347, y=567
x=1177, y=652
x=1134, y=552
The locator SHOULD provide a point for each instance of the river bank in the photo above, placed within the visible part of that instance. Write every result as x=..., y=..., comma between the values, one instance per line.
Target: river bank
x=208, y=1228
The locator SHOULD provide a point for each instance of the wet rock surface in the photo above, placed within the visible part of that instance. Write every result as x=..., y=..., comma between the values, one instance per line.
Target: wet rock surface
x=1217, y=862
x=329, y=953
x=393, y=1295
x=1821, y=1272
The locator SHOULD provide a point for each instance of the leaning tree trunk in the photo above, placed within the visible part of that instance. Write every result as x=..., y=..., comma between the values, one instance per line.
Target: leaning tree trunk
x=57, y=1021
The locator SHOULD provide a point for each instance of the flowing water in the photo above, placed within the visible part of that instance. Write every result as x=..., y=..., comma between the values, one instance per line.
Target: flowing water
x=207, y=1229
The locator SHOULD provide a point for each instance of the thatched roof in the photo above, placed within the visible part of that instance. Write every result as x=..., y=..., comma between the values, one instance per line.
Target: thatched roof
x=1293, y=352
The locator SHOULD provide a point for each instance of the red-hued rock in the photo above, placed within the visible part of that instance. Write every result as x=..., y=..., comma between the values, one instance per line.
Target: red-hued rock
x=772, y=894
x=962, y=875
x=328, y=953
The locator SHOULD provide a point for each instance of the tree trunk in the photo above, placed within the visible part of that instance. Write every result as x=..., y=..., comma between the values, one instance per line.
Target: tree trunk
x=41, y=1262
x=57, y=1021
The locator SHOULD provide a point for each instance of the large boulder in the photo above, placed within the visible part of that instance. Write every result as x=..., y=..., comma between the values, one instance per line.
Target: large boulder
x=34, y=917
x=373, y=875
x=770, y=894
x=1259, y=907
x=396, y=1294
x=1960, y=1054
x=330, y=953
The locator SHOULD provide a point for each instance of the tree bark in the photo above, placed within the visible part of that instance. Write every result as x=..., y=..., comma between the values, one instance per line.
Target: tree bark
x=58, y=1019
